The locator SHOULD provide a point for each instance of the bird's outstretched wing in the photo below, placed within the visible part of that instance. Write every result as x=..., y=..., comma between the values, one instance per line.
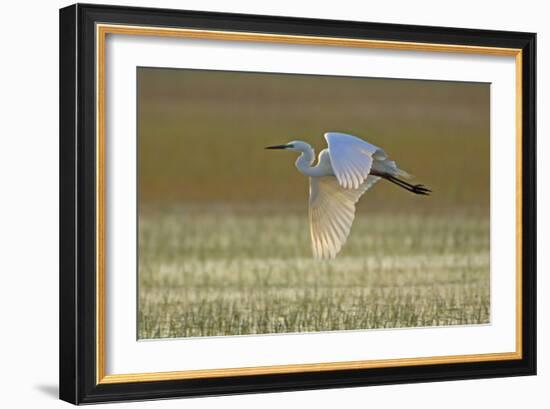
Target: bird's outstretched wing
x=331, y=213
x=351, y=158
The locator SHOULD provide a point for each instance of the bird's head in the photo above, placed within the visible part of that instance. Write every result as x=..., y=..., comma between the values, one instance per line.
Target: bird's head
x=296, y=146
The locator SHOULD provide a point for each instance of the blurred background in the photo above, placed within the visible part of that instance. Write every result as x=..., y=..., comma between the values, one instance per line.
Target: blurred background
x=224, y=245
x=202, y=134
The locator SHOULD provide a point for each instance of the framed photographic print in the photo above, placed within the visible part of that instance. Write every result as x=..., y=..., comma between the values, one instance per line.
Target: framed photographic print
x=258, y=203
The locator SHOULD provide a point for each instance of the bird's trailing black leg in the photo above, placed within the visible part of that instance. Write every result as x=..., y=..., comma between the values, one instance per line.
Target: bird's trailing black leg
x=417, y=189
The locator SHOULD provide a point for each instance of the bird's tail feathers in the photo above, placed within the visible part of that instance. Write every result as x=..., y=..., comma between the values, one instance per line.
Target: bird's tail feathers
x=398, y=172
x=401, y=173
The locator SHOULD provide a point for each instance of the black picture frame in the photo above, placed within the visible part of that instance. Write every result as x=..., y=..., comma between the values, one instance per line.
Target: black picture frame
x=78, y=360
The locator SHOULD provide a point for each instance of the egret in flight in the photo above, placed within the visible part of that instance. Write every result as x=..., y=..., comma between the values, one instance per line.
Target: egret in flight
x=344, y=171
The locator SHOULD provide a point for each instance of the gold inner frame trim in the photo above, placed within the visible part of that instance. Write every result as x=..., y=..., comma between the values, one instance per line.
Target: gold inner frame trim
x=101, y=33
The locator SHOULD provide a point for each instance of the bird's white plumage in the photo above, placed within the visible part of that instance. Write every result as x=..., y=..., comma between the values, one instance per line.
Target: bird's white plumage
x=331, y=213
x=351, y=158
x=344, y=171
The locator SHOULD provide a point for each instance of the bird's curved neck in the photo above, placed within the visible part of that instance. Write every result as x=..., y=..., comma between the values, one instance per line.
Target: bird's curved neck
x=305, y=160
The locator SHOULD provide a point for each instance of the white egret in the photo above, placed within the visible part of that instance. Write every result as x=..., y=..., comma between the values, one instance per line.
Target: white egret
x=344, y=171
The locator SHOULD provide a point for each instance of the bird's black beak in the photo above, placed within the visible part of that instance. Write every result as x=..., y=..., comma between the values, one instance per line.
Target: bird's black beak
x=277, y=147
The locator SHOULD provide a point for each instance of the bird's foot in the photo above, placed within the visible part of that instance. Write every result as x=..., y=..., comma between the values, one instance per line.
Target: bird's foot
x=421, y=190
